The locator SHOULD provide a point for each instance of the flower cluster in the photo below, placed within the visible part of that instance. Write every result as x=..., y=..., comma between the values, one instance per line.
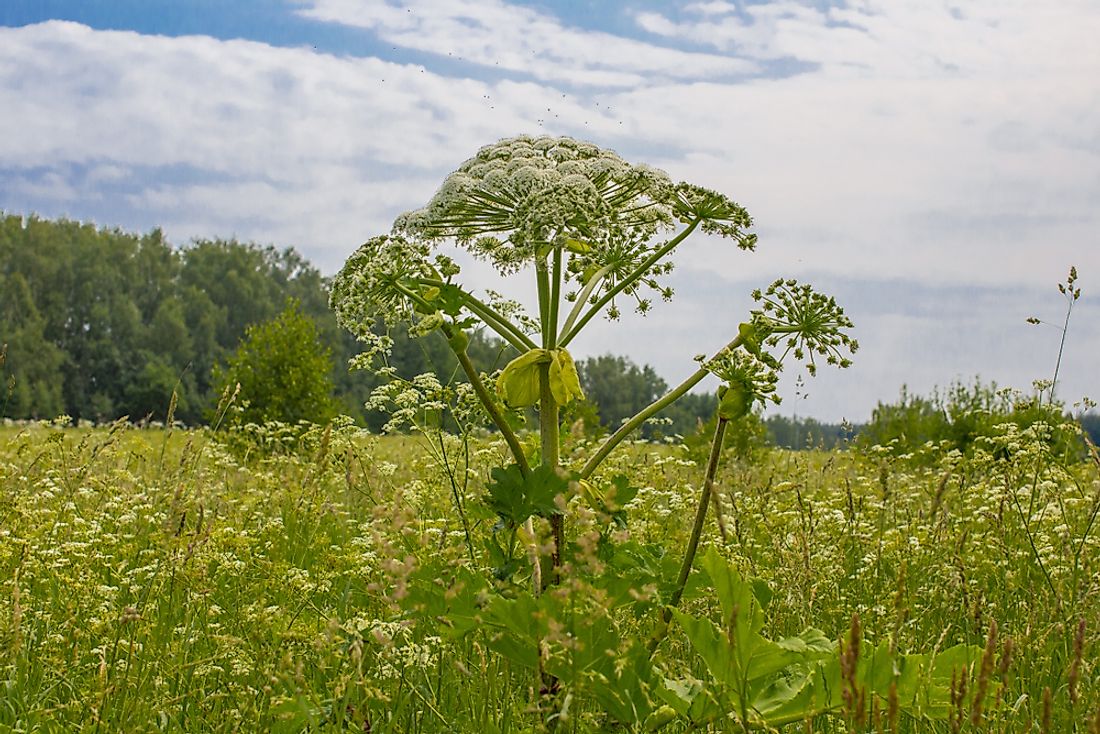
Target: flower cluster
x=749, y=379
x=804, y=322
x=614, y=260
x=375, y=282
x=421, y=402
x=716, y=213
x=520, y=195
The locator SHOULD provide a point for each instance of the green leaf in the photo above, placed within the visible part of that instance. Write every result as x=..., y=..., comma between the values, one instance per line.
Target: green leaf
x=737, y=598
x=578, y=246
x=512, y=629
x=516, y=498
x=691, y=699
x=768, y=657
x=800, y=693
x=450, y=299
x=518, y=384
x=565, y=383
x=712, y=646
x=450, y=603
x=734, y=401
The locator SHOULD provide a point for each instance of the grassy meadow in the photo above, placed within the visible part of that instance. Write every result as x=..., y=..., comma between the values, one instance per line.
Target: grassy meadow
x=159, y=580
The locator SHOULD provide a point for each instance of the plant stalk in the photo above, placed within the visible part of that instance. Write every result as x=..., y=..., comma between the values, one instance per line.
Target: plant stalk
x=492, y=318
x=696, y=533
x=542, y=277
x=549, y=434
x=649, y=411
x=629, y=280
x=1061, y=349
x=582, y=298
x=555, y=300
x=487, y=401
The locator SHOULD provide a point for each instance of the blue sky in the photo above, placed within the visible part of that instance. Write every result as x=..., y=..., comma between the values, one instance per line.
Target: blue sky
x=935, y=165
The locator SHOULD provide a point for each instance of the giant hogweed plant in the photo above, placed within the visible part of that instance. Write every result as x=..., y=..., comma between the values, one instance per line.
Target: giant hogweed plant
x=593, y=231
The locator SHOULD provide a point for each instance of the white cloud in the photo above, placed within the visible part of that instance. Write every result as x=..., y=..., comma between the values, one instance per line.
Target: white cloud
x=508, y=37
x=916, y=146
x=887, y=38
x=277, y=144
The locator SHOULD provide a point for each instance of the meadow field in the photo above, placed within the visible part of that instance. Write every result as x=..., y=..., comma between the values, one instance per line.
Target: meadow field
x=337, y=580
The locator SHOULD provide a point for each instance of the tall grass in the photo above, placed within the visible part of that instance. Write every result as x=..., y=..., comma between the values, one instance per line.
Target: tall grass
x=153, y=580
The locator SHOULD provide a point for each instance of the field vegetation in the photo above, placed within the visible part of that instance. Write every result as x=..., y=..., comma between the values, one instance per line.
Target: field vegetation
x=529, y=544
x=154, y=580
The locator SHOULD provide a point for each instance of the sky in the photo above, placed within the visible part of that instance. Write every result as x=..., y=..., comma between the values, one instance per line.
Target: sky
x=934, y=165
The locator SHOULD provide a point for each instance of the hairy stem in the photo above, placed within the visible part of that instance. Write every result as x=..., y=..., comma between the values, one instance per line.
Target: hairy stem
x=555, y=299
x=487, y=401
x=542, y=276
x=548, y=432
x=696, y=533
x=649, y=411
x=629, y=280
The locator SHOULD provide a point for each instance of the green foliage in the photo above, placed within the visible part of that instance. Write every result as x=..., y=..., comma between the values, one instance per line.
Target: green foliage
x=31, y=369
x=1090, y=422
x=745, y=438
x=618, y=388
x=119, y=320
x=960, y=418
x=767, y=683
x=800, y=433
x=280, y=372
x=102, y=323
x=330, y=588
x=515, y=497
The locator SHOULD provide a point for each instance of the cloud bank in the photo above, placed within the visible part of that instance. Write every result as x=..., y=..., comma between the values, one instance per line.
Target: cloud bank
x=945, y=150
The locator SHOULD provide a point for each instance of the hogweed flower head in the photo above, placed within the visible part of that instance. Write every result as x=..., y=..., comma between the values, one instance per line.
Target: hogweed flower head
x=522, y=198
x=749, y=379
x=375, y=282
x=716, y=213
x=521, y=195
x=805, y=323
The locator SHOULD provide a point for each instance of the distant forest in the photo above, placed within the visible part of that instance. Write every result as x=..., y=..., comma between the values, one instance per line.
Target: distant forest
x=98, y=324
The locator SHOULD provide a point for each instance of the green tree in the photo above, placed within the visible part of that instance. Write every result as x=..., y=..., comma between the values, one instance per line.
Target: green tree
x=32, y=369
x=284, y=371
x=1091, y=423
x=618, y=387
x=961, y=417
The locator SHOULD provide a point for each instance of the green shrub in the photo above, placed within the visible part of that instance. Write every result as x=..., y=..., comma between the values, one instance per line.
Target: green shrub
x=960, y=417
x=280, y=372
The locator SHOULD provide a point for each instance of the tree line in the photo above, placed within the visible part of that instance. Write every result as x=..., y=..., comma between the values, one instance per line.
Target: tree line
x=101, y=323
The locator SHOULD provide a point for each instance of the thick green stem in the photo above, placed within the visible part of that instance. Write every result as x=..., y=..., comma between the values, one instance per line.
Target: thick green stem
x=696, y=533
x=548, y=431
x=626, y=282
x=649, y=411
x=555, y=299
x=542, y=279
x=487, y=401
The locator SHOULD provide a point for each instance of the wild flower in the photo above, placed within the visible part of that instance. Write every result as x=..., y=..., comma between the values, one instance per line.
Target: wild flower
x=804, y=323
x=523, y=194
x=748, y=379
